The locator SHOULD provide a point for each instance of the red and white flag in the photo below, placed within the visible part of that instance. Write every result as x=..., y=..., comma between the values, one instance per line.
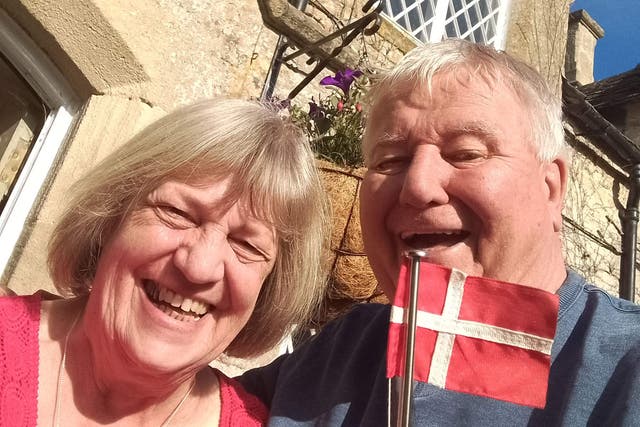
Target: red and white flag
x=476, y=335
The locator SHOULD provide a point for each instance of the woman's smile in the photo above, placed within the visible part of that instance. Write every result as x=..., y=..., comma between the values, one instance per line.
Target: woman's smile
x=173, y=304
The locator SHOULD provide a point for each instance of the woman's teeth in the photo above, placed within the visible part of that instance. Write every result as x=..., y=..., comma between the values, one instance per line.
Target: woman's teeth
x=173, y=304
x=186, y=304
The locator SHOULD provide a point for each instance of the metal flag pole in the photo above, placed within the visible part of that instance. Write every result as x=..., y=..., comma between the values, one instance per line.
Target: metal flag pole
x=404, y=419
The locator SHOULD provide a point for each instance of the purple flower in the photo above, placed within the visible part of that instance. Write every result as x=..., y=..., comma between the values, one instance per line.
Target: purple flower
x=342, y=80
x=316, y=112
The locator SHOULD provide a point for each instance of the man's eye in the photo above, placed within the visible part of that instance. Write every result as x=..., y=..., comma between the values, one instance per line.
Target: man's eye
x=466, y=156
x=390, y=166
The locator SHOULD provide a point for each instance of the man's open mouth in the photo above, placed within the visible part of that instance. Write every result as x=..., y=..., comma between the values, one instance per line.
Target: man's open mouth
x=440, y=240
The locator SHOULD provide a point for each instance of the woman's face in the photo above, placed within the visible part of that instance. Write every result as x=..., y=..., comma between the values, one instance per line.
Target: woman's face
x=180, y=278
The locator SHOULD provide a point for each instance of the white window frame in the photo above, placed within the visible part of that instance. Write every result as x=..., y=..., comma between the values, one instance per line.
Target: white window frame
x=33, y=65
x=437, y=32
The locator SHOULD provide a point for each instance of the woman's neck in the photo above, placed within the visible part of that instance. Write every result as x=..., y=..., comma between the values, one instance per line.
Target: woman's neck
x=108, y=388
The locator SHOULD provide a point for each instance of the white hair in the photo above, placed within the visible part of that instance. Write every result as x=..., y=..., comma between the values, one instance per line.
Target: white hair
x=421, y=64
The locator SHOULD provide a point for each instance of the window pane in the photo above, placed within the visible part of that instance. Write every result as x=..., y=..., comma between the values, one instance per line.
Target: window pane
x=22, y=114
x=474, y=20
x=394, y=7
x=415, y=16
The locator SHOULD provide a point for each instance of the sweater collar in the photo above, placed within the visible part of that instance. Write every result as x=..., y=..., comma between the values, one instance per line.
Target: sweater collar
x=569, y=291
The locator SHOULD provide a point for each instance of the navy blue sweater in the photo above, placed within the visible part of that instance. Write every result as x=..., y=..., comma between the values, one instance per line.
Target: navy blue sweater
x=338, y=378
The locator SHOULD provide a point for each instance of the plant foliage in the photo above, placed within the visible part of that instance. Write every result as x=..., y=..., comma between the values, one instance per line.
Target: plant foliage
x=334, y=123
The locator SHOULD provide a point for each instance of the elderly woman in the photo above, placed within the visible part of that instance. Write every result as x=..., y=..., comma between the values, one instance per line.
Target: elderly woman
x=202, y=235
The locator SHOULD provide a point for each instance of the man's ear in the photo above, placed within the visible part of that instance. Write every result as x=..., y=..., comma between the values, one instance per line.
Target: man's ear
x=556, y=177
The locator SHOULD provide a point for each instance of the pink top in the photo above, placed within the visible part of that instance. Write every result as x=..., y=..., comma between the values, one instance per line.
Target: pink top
x=19, y=322
x=19, y=351
x=239, y=408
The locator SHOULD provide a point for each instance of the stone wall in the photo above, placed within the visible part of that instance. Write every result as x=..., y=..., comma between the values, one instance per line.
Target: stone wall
x=596, y=197
x=537, y=34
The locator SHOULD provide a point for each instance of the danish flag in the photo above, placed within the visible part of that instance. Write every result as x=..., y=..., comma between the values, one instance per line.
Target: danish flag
x=476, y=335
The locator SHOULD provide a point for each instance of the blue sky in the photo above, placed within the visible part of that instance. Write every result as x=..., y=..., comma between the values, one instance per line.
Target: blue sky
x=619, y=49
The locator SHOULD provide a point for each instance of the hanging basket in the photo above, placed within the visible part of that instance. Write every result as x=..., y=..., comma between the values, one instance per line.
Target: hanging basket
x=351, y=279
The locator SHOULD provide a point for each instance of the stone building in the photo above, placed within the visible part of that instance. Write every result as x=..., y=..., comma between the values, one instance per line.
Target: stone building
x=77, y=78
x=602, y=127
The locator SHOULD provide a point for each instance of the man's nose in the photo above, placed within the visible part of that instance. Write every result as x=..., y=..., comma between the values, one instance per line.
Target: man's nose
x=201, y=258
x=425, y=179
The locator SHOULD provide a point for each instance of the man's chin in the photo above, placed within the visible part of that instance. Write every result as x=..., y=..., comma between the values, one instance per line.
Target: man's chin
x=468, y=268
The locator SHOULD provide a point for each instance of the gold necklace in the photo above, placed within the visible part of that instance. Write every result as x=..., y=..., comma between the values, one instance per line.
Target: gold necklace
x=177, y=408
x=56, y=408
x=62, y=367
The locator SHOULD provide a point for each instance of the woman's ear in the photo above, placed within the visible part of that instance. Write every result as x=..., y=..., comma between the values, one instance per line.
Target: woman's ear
x=556, y=177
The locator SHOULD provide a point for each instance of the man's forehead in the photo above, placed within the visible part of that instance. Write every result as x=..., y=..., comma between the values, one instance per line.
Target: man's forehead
x=457, y=80
x=386, y=140
x=398, y=113
x=454, y=128
x=410, y=114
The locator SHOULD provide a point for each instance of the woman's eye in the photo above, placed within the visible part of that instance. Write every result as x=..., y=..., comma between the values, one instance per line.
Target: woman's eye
x=247, y=252
x=174, y=216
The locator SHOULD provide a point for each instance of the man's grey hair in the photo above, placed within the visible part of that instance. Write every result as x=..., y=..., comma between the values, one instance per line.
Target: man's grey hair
x=421, y=64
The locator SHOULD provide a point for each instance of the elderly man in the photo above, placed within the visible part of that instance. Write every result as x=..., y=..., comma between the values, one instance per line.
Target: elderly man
x=466, y=159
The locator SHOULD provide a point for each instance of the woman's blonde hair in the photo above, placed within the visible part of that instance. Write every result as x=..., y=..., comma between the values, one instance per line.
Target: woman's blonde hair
x=269, y=161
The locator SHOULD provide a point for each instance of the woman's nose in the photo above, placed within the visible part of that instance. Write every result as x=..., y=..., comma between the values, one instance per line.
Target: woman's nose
x=425, y=179
x=201, y=259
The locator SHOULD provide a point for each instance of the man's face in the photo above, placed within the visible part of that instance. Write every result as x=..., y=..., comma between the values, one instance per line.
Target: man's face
x=456, y=174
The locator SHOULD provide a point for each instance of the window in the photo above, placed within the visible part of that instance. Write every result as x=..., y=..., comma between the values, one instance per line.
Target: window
x=36, y=112
x=480, y=21
x=22, y=114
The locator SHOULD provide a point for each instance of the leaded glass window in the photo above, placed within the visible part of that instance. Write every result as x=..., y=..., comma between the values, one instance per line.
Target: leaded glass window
x=480, y=21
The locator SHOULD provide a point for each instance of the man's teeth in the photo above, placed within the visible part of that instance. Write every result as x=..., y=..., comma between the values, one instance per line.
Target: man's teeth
x=186, y=306
x=433, y=240
x=408, y=235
